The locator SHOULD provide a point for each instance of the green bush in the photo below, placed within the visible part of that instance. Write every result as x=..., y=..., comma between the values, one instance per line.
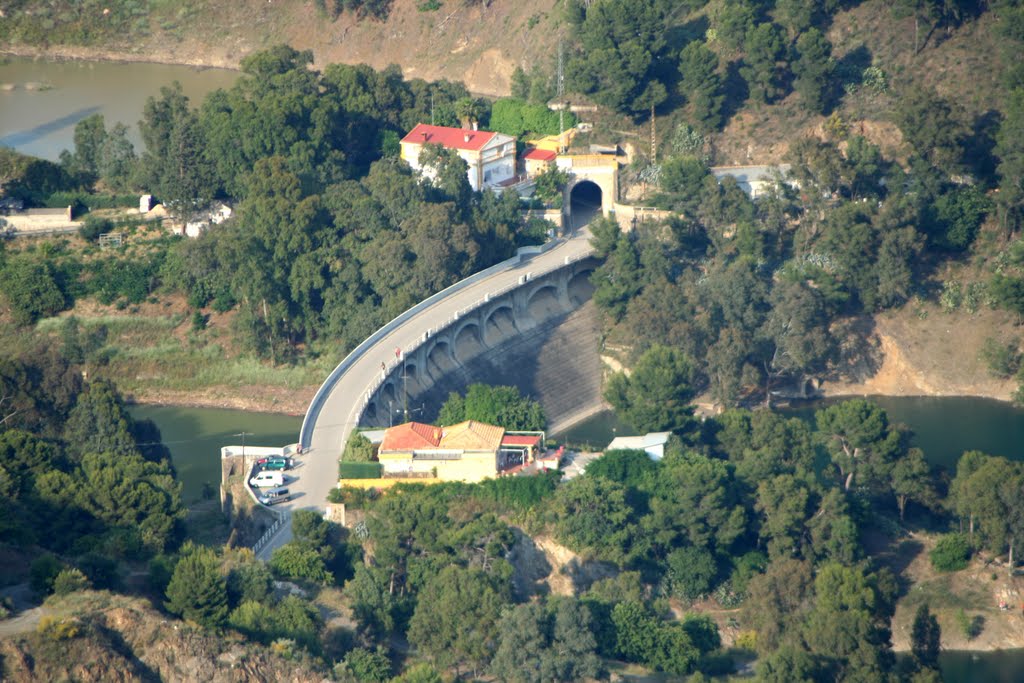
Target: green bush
x=92, y=227
x=43, y=572
x=691, y=571
x=31, y=289
x=359, y=449
x=69, y=581
x=951, y=553
x=368, y=666
x=1002, y=360
x=295, y=561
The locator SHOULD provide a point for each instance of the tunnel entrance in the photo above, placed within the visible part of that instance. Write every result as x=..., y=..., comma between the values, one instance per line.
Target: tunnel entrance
x=584, y=203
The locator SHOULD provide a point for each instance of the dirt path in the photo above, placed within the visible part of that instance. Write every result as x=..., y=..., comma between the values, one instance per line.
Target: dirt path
x=27, y=617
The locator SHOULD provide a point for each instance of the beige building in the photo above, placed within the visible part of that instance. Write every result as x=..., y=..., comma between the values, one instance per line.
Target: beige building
x=468, y=451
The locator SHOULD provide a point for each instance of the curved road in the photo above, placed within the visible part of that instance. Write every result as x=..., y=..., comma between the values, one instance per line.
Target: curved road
x=317, y=473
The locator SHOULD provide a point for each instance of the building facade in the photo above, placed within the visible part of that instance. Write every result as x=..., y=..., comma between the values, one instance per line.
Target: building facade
x=491, y=157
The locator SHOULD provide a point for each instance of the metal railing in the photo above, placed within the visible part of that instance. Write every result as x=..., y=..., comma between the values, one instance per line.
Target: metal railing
x=268, y=535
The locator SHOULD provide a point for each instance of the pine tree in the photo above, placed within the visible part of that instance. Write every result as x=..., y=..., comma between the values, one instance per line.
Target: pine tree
x=197, y=591
x=925, y=638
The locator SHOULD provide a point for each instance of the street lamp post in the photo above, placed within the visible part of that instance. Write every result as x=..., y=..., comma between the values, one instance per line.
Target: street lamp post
x=243, y=435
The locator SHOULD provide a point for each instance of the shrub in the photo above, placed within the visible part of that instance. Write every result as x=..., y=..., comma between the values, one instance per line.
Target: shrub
x=43, y=572
x=57, y=628
x=359, y=449
x=293, y=561
x=92, y=227
x=69, y=581
x=368, y=666
x=690, y=572
x=951, y=553
x=32, y=290
x=1002, y=360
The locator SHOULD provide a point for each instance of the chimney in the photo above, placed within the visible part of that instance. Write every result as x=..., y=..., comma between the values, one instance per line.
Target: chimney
x=467, y=137
x=425, y=136
x=474, y=125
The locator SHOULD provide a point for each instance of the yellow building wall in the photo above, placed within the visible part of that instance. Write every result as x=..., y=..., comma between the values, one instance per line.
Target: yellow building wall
x=471, y=467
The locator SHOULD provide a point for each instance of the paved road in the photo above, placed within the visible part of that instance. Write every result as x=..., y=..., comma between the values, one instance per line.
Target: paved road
x=339, y=415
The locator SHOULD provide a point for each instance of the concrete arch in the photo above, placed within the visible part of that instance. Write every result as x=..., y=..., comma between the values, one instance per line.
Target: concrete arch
x=580, y=288
x=544, y=303
x=440, y=359
x=468, y=342
x=412, y=379
x=499, y=324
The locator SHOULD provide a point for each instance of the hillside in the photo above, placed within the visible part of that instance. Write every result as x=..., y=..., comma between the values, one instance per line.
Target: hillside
x=479, y=44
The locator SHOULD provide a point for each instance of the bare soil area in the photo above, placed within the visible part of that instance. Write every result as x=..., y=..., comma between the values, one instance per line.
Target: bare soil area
x=974, y=594
x=924, y=351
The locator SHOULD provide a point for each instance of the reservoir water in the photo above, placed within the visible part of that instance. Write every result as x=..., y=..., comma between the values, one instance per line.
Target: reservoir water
x=943, y=427
x=40, y=101
x=196, y=435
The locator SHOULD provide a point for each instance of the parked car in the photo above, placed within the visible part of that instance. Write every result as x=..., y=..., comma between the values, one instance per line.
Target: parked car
x=274, y=496
x=267, y=479
x=276, y=463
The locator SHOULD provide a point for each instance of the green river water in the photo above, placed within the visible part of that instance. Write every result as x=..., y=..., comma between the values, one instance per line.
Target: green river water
x=196, y=435
x=41, y=101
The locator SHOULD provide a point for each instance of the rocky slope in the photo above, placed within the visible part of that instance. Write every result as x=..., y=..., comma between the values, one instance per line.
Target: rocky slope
x=117, y=638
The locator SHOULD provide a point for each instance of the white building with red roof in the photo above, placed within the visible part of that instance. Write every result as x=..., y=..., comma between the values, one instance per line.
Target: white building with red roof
x=491, y=157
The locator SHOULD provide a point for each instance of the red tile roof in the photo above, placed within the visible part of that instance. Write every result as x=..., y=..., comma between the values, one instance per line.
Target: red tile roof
x=540, y=155
x=452, y=138
x=410, y=436
x=520, y=440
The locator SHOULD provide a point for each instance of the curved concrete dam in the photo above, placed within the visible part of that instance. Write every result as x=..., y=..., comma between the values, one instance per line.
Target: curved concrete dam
x=543, y=339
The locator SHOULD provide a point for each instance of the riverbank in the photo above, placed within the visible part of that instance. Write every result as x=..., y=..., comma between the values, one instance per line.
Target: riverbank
x=251, y=399
x=205, y=57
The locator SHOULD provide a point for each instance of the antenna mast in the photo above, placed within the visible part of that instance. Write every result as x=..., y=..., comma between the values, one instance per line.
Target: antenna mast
x=561, y=101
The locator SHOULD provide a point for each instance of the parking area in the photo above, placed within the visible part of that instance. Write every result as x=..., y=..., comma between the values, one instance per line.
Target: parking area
x=270, y=477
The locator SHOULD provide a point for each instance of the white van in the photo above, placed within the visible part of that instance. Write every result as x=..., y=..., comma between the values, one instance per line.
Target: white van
x=267, y=478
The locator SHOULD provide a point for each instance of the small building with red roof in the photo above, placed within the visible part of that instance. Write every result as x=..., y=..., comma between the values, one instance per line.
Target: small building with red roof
x=538, y=160
x=491, y=157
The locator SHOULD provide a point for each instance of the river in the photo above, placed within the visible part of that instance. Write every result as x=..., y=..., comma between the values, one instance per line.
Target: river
x=41, y=101
x=944, y=427
x=196, y=435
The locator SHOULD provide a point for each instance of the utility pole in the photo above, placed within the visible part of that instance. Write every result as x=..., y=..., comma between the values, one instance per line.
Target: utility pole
x=243, y=435
x=405, y=390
